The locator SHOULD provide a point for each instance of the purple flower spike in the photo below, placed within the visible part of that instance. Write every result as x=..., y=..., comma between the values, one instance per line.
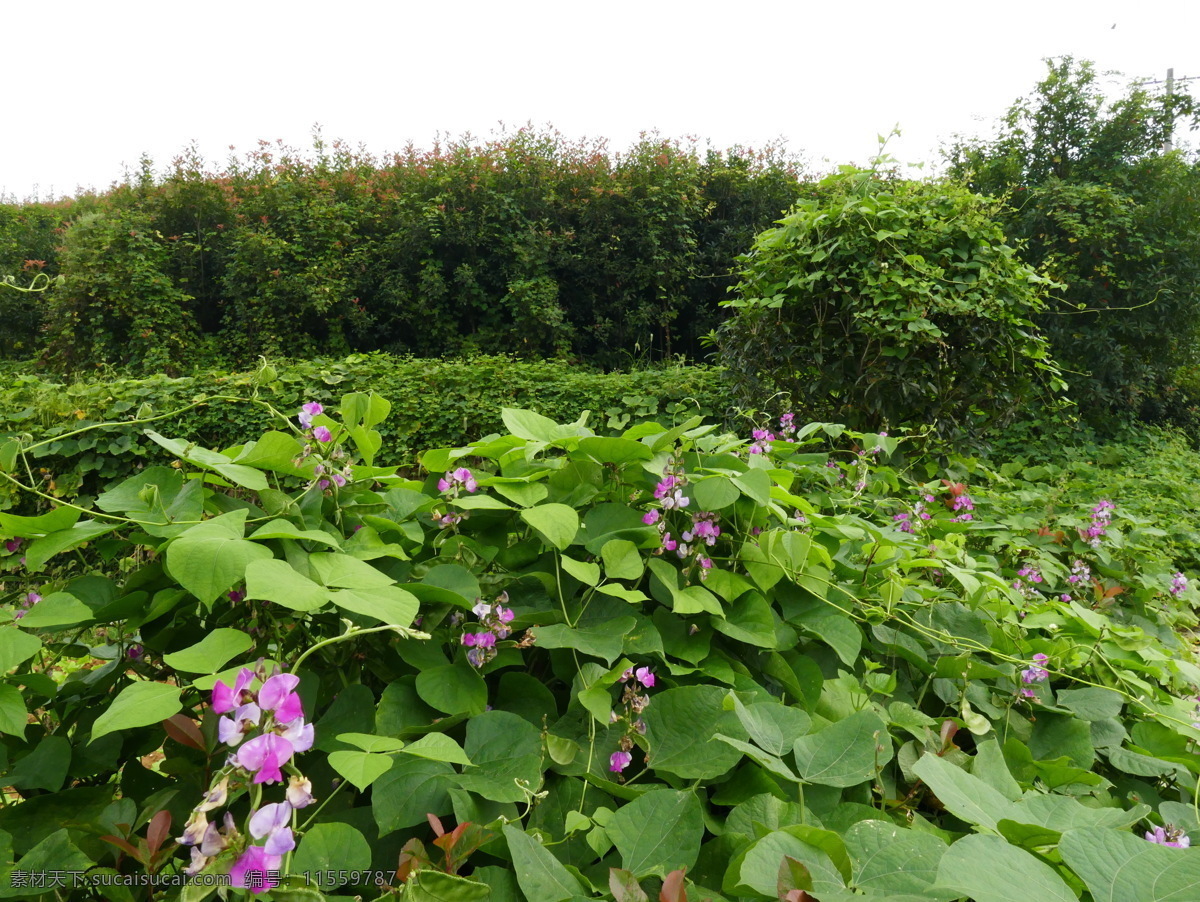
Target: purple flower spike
x=263, y=756
x=308, y=411
x=224, y=698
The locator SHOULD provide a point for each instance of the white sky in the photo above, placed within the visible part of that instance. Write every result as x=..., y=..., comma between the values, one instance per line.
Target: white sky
x=92, y=85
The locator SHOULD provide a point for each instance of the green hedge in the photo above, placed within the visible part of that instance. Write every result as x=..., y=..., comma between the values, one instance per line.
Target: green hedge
x=435, y=403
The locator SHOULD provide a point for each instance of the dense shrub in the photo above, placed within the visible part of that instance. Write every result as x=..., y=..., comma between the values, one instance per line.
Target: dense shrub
x=436, y=403
x=884, y=302
x=1095, y=203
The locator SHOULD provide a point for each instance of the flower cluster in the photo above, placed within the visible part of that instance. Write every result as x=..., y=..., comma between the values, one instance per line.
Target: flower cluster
x=453, y=484
x=1169, y=835
x=494, y=618
x=762, y=441
x=787, y=427
x=274, y=714
x=1080, y=572
x=669, y=491
x=1035, y=673
x=911, y=522
x=333, y=464
x=27, y=602
x=635, y=700
x=1179, y=584
x=1101, y=520
x=959, y=503
x=1027, y=579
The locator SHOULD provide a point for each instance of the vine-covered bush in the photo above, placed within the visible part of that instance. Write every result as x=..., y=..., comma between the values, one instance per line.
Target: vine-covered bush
x=559, y=666
x=882, y=302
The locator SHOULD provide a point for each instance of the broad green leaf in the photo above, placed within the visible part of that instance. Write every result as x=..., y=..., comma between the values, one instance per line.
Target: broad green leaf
x=836, y=630
x=41, y=550
x=771, y=763
x=438, y=747
x=536, y=428
x=540, y=875
x=453, y=689
x=587, y=573
x=480, y=502
x=156, y=495
x=387, y=604
x=331, y=847
x=138, y=705
x=238, y=474
x=369, y=742
x=1091, y=703
x=211, y=653
x=621, y=560
x=845, y=753
x=57, y=611
x=556, y=523
x=963, y=795
x=360, y=768
x=755, y=484
x=506, y=750
x=16, y=647
x=989, y=869
x=285, y=529
x=412, y=788
x=277, y=581
x=891, y=859
x=774, y=727
x=748, y=620
x=1117, y=865
x=658, y=832
x=212, y=558
x=54, y=853
x=275, y=451
x=57, y=520
x=13, y=716
x=713, y=493
x=342, y=571
x=680, y=724
x=45, y=767
x=603, y=640
x=757, y=867
x=614, y=450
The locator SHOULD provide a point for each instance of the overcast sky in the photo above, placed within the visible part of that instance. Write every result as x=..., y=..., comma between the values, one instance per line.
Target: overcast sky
x=91, y=86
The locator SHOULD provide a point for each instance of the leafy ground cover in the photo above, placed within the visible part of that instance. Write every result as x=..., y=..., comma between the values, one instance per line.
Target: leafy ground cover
x=675, y=663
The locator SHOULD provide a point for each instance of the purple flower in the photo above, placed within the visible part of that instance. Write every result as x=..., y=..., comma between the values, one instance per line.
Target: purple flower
x=299, y=792
x=194, y=829
x=273, y=823
x=31, y=599
x=651, y=517
x=323, y=435
x=669, y=543
x=236, y=595
x=277, y=694
x=1169, y=835
x=231, y=730
x=135, y=652
x=299, y=734
x=263, y=756
x=308, y=411
x=619, y=761
x=454, y=480
x=1036, y=672
x=256, y=870
x=1179, y=584
x=645, y=676
x=224, y=698
x=13, y=544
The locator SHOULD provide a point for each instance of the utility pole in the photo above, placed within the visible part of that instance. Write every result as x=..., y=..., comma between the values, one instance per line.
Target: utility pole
x=1169, y=145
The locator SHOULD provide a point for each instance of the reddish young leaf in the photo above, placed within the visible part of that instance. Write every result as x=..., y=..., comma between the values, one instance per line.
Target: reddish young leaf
x=624, y=886
x=794, y=877
x=158, y=831
x=672, y=890
x=436, y=823
x=128, y=847
x=183, y=730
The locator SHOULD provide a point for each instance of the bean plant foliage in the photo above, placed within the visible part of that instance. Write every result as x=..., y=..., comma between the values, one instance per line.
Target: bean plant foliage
x=673, y=664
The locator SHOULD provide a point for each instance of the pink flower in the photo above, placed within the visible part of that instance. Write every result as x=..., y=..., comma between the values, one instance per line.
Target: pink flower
x=13, y=544
x=619, y=761
x=299, y=792
x=321, y=434
x=308, y=411
x=263, y=756
x=250, y=871
x=277, y=695
x=225, y=699
x=231, y=730
x=651, y=517
x=1169, y=836
x=273, y=823
x=645, y=677
x=299, y=734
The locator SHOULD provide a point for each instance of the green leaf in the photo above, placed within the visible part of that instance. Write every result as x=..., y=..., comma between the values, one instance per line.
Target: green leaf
x=433, y=886
x=1117, y=865
x=138, y=705
x=586, y=573
x=54, y=853
x=277, y=581
x=453, y=689
x=989, y=869
x=556, y=523
x=369, y=742
x=285, y=529
x=602, y=640
x=345, y=572
x=16, y=647
x=211, y=653
x=360, y=768
x=331, y=847
x=845, y=753
x=211, y=558
x=755, y=484
x=438, y=747
x=658, y=832
x=275, y=451
x=387, y=604
x=713, y=493
x=57, y=520
x=506, y=750
x=621, y=560
x=891, y=859
x=963, y=795
x=757, y=866
x=412, y=788
x=540, y=875
x=680, y=725
x=246, y=477
x=41, y=550
x=57, y=611
x=536, y=428
x=836, y=630
x=773, y=726
x=13, y=716
x=614, y=450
